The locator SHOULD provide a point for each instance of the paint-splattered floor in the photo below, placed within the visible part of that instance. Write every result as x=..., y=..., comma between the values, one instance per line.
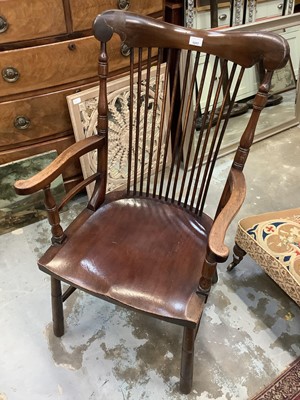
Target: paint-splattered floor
x=249, y=333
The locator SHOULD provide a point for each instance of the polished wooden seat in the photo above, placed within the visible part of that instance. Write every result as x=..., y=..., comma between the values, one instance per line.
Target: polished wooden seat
x=127, y=268
x=148, y=244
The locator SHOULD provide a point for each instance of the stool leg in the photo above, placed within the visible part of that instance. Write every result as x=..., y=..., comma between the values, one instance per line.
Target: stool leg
x=238, y=255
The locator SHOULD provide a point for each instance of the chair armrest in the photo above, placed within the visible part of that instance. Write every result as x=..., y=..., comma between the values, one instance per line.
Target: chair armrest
x=43, y=178
x=237, y=193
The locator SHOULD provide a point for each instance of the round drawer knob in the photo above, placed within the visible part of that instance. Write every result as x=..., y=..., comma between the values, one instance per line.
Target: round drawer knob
x=125, y=50
x=3, y=24
x=10, y=74
x=21, y=122
x=222, y=17
x=123, y=4
x=280, y=6
x=72, y=46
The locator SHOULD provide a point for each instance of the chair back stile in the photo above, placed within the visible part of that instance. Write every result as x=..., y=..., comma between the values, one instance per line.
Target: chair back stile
x=247, y=137
x=102, y=129
x=259, y=103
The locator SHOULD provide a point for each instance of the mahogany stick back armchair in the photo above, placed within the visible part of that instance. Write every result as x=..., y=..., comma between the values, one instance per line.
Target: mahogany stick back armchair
x=149, y=245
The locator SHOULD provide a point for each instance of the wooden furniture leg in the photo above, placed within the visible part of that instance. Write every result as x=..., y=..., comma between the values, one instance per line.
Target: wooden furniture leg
x=215, y=278
x=57, y=307
x=238, y=255
x=187, y=360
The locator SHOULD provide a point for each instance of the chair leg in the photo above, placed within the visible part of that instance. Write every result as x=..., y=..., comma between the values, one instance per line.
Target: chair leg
x=57, y=307
x=215, y=277
x=238, y=255
x=187, y=360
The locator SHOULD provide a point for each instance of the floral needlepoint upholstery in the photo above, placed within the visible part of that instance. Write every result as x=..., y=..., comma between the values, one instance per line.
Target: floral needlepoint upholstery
x=273, y=241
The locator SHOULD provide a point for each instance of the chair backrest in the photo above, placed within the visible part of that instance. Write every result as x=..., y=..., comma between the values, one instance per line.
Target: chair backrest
x=178, y=78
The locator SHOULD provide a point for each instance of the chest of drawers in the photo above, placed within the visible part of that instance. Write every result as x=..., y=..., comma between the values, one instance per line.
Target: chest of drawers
x=47, y=52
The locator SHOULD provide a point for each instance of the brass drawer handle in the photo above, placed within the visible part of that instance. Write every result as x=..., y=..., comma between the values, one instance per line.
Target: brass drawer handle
x=123, y=4
x=22, y=122
x=222, y=17
x=10, y=74
x=125, y=50
x=3, y=24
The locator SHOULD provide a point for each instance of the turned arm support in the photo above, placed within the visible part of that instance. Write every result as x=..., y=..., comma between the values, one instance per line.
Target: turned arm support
x=44, y=178
x=237, y=191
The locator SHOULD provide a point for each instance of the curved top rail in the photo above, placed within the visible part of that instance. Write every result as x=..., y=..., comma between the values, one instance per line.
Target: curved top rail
x=244, y=48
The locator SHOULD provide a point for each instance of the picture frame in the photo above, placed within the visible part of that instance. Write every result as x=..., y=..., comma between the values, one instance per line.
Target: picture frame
x=283, y=79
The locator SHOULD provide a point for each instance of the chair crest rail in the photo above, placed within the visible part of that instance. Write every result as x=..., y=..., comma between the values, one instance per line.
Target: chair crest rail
x=141, y=31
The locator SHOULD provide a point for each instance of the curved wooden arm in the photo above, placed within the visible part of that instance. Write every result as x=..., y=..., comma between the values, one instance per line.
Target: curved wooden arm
x=237, y=187
x=55, y=168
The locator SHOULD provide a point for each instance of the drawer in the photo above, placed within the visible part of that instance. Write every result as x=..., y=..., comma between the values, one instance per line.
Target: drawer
x=85, y=11
x=203, y=19
x=30, y=19
x=44, y=67
x=267, y=9
x=47, y=115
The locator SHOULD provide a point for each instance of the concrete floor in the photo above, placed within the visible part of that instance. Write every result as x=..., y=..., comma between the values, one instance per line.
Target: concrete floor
x=250, y=330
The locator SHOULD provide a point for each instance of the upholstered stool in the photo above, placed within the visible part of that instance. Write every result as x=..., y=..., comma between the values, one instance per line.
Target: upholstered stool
x=273, y=241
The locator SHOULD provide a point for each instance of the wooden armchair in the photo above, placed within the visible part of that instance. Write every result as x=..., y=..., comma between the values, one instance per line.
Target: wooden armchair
x=149, y=245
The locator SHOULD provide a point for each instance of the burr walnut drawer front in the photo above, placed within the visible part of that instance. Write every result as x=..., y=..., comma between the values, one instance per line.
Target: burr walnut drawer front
x=30, y=19
x=32, y=119
x=56, y=64
x=84, y=11
x=47, y=66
